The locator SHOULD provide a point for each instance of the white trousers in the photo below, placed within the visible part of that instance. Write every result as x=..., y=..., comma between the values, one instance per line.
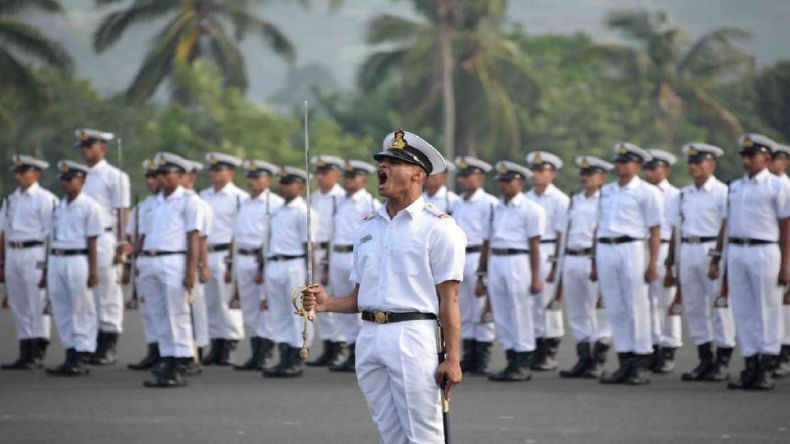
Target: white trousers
x=73, y=303
x=347, y=324
x=26, y=300
x=472, y=306
x=621, y=277
x=327, y=326
x=786, y=322
x=666, y=330
x=705, y=323
x=282, y=277
x=587, y=322
x=396, y=371
x=108, y=293
x=200, y=314
x=149, y=327
x=756, y=297
x=257, y=322
x=223, y=321
x=548, y=323
x=509, y=278
x=169, y=302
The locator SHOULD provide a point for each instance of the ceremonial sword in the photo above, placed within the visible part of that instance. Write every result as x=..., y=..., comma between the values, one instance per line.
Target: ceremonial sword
x=440, y=350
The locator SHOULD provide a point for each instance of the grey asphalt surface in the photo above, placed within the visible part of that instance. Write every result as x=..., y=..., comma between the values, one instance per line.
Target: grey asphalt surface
x=225, y=406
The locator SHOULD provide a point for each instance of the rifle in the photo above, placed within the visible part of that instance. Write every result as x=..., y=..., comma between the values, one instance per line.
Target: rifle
x=235, y=302
x=44, y=266
x=133, y=303
x=556, y=303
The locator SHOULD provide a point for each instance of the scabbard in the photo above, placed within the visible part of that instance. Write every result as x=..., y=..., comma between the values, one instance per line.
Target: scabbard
x=445, y=403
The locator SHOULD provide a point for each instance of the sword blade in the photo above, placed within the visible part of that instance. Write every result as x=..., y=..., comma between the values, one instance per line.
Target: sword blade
x=307, y=200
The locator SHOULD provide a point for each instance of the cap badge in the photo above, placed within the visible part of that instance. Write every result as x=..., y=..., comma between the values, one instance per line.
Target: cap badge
x=623, y=149
x=537, y=159
x=283, y=172
x=585, y=164
x=151, y=166
x=349, y=167
x=398, y=142
x=212, y=160
x=84, y=136
x=18, y=163
x=693, y=151
x=65, y=168
x=462, y=164
x=503, y=169
x=321, y=162
x=253, y=166
x=748, y=143
x=162, y=161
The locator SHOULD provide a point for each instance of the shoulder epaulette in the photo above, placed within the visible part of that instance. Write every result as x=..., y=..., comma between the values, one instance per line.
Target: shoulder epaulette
x=431, y=208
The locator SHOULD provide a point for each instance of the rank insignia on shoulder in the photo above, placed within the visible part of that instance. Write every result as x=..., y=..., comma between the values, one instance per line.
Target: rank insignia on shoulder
x=431, y=208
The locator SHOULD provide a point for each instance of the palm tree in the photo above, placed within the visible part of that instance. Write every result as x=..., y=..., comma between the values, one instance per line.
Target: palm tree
x=680, y=75
x=196, y=29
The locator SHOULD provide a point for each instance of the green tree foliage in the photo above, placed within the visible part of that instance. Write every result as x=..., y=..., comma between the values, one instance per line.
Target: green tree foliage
x=772, y=98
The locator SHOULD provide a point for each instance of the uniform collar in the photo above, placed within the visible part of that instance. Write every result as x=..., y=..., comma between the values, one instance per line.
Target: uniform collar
x=707, y=186
x=515, y=201
x=65, y=201
x=334, y=191
x=262, y=197
x=477, y=195
x=32, y=189
x=595, y=195
x=439, y=193
x=230, y=186
x=357, y=196
x=550, y=189
x=295, y=203
x=175, y=195
x=634, y=183
x=99, y=165
x=663, y=185
x=415, y=208
x=759, y=177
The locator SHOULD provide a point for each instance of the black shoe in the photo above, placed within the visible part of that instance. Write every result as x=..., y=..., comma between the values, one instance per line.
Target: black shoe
x=295, y=366
x=228, y=345
x=106, y=349
x=39, y=351
x=537, y=355
x=468, y=359
x=720, y=370
x=482, y=359
x=666, y=364
x=517, y=369
x=169, y=377
x=149, y=361
x=548, y=359
x=256, y=359
x=340, y=356
x=273, y=372
x=782, y=369
x=762, y=380
x=705, y=353
x=76, y=364
x=26, y=359
x=581, y=366
x=595, y=370
x=640, y=374
x=748, y=375
x=326, y=357
x=190, y=367
x=214, y=353
x=349, y=365
x=621, y=374
x=656, y=359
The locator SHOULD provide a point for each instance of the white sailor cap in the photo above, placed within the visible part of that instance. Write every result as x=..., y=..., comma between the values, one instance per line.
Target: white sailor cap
x=592, y=164
x=660, y=158
x=697, y=152
x=755, y=143
x=219, y=161
x=324, y=162
x=258, y=168
x=410, y=148
x=23, y=161
x=195, y=166
x=171, y=163
x=540, y=160
x=87, y=136
x=449, y=167
x=507, y=170
x=781, y=151
x=150, y=167
x=470, y=165
x=628, y=152
x=289, y=174
x=70, y=169
x=355, y=167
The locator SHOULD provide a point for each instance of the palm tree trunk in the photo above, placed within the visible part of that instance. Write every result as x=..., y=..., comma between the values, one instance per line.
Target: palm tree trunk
x=448, y=85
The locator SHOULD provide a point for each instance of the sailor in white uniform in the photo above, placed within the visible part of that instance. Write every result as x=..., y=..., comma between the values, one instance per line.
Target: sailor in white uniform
x=436, y=191
x=779, y=163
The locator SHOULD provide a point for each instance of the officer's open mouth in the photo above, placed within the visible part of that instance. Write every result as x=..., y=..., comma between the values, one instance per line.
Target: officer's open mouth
x=382, y=177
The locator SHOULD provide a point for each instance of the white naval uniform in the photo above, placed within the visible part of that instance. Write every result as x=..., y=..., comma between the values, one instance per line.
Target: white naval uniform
x=443, y=199
x=26, y=216
x=252, y=232
x=199, y=308
x=627, y=211
x=141, y=215
x=326, y=206
x=351, y=213
x=588, y=322
x=666, y=329
x=785, y=297
x=223, y=322
x=109, y=187
x=702, y=211
x=174, y=218
x=73, y=304
x=756, y=205
x=288, y=236
x=398, y=262
x=549, y=323
x=509, y=277
x=473, y=216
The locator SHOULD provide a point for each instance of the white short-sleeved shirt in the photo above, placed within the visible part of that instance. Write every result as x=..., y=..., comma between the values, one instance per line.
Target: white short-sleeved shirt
x=225, y=205
x=26, y=215
x=325, y=204
x=206, y=215
x=756, y=205
x=351, y=213
x=252, y=226
x=703, y=209
x=474, y=215
x=443, y=199
x=630, y=210
x=74, y=222
x=583, y=213
x=555, y=204
x=141, y=215
x=174, y=217
x=516, y=222
x=289, y=228
x=109, y=187
x=399, y=261
x=671, y=196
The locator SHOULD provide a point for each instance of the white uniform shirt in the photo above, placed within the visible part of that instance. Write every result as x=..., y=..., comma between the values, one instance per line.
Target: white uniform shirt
x=225, y=204
x=351, y=213
x=252, y=226
x=326, y=207
x=630, y=210
x=555, y=203
x=516, y=222
x=76, y=221
x=441, y=199
x=141, y=215
x=671, y=196
x=26, y=215
x=206, y=215
x=289, y=228
x=109, y=187
x=583, y=214
x=473, y=215
x=175, y=216
x=703, y=209
x=398, y=262
x=756, y=204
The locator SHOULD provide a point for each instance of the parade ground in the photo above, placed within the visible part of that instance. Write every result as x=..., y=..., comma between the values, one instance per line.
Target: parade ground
x=226, y=406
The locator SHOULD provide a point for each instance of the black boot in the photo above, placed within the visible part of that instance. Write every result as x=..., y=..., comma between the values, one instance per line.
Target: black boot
x=106, y=349
x=39, y=351
x=783, y=365
x=340, y=355
x=748, y=375
x=720, y=370
x=214, y=353
x=548, y=360
x=762, y=380
x=326, y=357
x=267, y=352
x=273, y=372
x=254, y=363
x=169, y=377
x=76, y=364
x=656, y=359
x=482, y=359
x=584, y=362
x=595, y=370
x=228, y=345
x=667, y=362
x=705, y=353
x=621, y=374
x=295, y=366
x=517, y=369
x=640, y=373
x=149, y=361
x=468, y=359
x=190, y=367
x=26, y=360
x=350, y=363
x=537, y=355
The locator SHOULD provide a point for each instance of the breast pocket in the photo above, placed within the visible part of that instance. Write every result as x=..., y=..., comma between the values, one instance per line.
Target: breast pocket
x=408, y=258
x=369, y=257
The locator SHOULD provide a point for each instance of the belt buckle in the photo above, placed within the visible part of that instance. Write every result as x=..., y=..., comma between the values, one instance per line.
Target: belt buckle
x=381, y=317
x=57, y=252
x=150, y=253
x=747, y=242
x=279, y=257
x=696, y=240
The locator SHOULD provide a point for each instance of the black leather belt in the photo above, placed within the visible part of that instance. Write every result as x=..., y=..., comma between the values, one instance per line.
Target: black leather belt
x=698, y=240
x=218, y=247
x=342, y=248
x=61, y=252
x=508, y=251
x=664, y=241
x=582, y=252
x=747, y=242
x=155, y=253
x=249, y=251
x=380, y=317
x=108, y=230
x=322, y=245
x=474, y=249
x=617, y=240
x=548, y=241
x=283, y=257
x=25, y=244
